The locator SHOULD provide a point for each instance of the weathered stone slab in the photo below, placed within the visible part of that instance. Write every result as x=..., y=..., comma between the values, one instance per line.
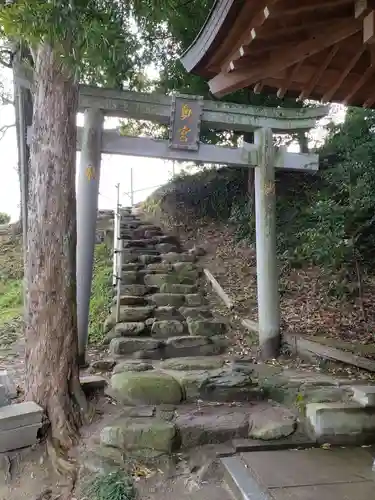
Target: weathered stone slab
x=147, y=388
x=149, y=258
x=190, y=346
x=133, y=365
x=178, y=288
x=229, y=385
x=210, y=425
x=206, y=327
x=166, y=248
x=193, y=363
x=20, y=415
x=102, y=365
x=124, y=346
x=129, y=277
x=130, y=329
x=162, y=267
x=142, y=243
x=195, y=300
x=136, y=290
x=92, y=383
x=174, y=257
x=156, y=280
x=132, y=266
x=135, y=313
x=141, y=433
x=196, y=312
x=167, y=312
x=21, y=437
x=167, y=299
x=167, y=328
x=272, y=423
x=364, y=394
x=342, y=423
x=130, y=300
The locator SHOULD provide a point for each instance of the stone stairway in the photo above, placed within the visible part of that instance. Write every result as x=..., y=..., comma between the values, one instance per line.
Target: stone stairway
x=177, y=387
x=174, y=382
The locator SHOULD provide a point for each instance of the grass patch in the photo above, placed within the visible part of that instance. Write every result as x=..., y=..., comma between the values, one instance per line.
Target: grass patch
x=116, y=485
x=101, y=296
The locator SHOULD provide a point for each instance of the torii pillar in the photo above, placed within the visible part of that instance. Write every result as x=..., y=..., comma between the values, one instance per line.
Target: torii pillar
x=87, y=208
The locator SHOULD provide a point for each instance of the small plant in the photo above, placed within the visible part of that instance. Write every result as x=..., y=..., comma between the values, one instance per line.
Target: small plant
x=116, y=485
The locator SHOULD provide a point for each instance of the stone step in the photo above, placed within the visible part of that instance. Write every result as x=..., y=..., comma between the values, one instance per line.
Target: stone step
x=162, y=348
x=130, y=300
x=174, y=257
x=341, y=423
x=135, y=289
x=364, y=395
x=166, y=429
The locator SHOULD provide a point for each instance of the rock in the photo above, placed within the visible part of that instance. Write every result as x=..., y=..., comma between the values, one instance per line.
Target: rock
x=177, y=288
x=197, y=251
x=135, y=313
x=92, y=383
x=160, y=267
x=192, y=363
x=135, y=290
x=228, y=385
x=189, y=346
x=133, y=365
x=149, y=322
x=166, y=247
x=272, y=423
x=130, y=329
x=167, y=312
x=132, y=266
x=206, y=327
x=182, y=267
x=130, y=300
x=173, y=257
x=167, y=328
x=167, y=299
x=157, y=280
x=166, y=238
x=123, y=346
x=103, y=365
x=191, y=382
x=140, y=433
x=196, y=312
x=147, y=388
x=138, y=243
x=211, y=425
x=148, y=259
x=129, y=277
x=195, y=300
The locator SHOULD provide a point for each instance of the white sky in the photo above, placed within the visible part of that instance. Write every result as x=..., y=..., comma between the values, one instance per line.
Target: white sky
x=147, y=172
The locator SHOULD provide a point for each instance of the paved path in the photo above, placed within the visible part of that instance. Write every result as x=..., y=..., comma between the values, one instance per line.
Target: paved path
x=314, y=474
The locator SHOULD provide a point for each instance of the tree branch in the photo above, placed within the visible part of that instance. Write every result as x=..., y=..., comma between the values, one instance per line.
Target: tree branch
x=4, y=129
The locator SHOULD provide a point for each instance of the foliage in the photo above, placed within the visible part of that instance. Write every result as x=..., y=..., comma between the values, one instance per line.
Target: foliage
x=4, y=218
x=95, y=38
x=115, y=485
x=100, y=292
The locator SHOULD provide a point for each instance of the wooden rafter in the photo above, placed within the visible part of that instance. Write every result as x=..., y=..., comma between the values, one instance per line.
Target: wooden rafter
x=224, y=83
x=323, y=5
x=364, y=78
x=264, y=12
x=310, y=30
x=306, y=92
x=284, y=89
x=362, y=8
x=330, y=94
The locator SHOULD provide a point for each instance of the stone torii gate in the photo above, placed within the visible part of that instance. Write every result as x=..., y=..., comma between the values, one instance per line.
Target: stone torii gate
x=185, y=116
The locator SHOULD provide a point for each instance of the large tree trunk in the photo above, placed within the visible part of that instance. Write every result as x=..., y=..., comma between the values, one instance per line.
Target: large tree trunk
x=52, y=378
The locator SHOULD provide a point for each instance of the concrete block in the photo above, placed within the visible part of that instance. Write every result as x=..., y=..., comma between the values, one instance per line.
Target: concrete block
x=341, y=423
x=20, y=415
x=10, y=386
x=364, y=394
x=21, y=437
x=3, y=396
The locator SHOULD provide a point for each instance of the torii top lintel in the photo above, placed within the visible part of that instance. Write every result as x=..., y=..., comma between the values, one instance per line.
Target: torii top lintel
x=317, y=49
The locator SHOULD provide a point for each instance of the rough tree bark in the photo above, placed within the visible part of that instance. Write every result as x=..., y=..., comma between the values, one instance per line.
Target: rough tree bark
x=52, y=378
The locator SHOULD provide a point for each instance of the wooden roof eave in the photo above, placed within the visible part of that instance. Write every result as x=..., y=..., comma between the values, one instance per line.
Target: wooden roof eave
x=194, y=57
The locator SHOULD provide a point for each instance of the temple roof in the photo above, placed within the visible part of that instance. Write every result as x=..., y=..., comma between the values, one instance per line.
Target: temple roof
x=311, y=49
